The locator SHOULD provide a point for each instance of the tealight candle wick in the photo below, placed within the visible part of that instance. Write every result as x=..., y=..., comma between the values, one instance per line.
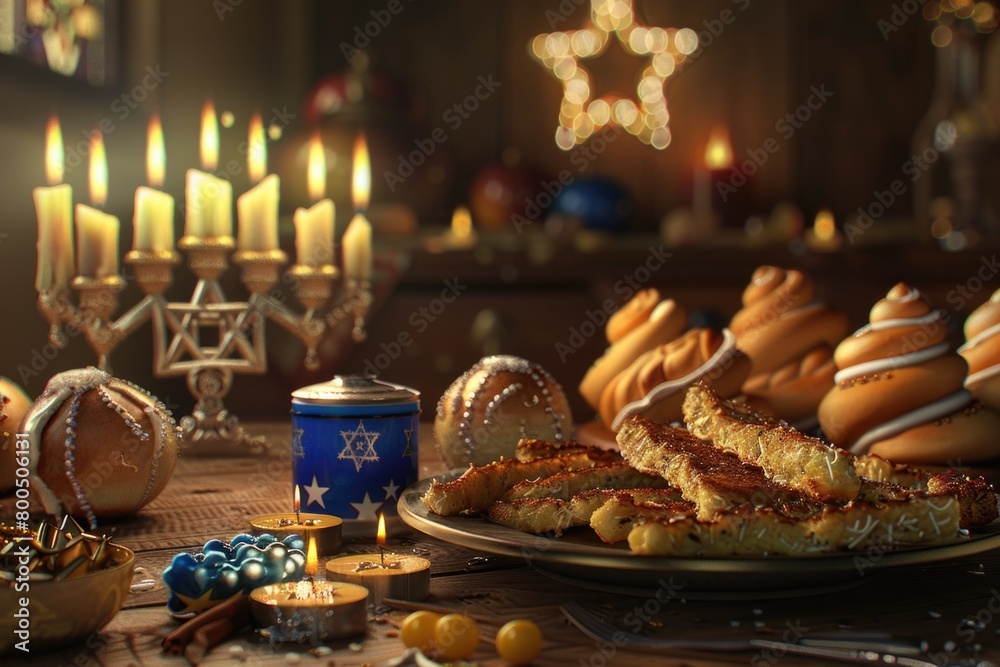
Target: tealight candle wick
x=381, y=551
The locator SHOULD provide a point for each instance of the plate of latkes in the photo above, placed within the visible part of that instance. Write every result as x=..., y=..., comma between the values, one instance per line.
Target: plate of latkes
x=737, y=505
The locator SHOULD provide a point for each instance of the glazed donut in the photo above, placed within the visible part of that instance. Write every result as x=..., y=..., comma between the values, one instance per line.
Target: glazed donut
x=789, y=340
x=982, y=352
x=489, y=408
x=666, y=321
x=906, y=404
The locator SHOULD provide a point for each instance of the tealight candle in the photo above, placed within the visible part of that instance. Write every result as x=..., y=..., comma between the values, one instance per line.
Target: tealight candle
x=309, y=610
x=323, y=528
x=387, y=575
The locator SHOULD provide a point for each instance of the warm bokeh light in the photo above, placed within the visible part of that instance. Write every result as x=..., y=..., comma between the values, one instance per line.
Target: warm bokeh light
x=156, y=155
x=55, y=157
x=316, y=177
x=98, y=170
x=361, y=178
x=209, y=137
x=941, y=228
x=718, y=151
x=825, y=227
x=380, y=536
x=257, y=150
x=461, y=222
x=579, y=115
x=312, y=558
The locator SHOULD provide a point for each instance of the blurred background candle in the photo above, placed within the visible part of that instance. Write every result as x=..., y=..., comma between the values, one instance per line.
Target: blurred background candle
x=154, y=210
x=97, y=232
x=54, y=209
x=208, y=199
x=717, y=159
x=357, y=239
x=258, y=207
x=314, y=227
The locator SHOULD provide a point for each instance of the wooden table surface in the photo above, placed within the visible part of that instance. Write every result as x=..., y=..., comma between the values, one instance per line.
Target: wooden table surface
x=954, y=606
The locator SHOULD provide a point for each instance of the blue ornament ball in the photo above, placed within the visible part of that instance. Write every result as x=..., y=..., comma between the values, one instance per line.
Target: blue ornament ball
x=599, y=202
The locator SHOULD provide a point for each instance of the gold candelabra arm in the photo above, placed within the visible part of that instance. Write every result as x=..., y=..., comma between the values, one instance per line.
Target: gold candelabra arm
x=354, y=306
x=98, y=302
x=56, y=307
x=307, y=328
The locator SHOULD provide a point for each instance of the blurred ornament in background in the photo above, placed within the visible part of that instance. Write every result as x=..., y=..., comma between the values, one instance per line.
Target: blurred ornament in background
x=412, y=175
x=600, y=203
x=499, y=192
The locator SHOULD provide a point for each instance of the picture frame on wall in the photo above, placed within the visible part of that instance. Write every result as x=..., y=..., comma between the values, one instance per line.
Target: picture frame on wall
x=77, y=39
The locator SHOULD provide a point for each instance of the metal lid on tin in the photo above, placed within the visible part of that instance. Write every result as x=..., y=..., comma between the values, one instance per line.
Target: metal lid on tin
x=355, y=390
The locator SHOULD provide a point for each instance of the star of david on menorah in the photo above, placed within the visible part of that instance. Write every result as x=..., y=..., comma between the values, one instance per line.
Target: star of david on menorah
x=208, y=338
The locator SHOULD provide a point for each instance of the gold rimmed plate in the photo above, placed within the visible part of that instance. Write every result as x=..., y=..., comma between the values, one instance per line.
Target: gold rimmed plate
x=578, y=555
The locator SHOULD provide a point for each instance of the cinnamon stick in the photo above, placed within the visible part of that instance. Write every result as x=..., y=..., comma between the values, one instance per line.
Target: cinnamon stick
x=210, y=635
x=235, y=608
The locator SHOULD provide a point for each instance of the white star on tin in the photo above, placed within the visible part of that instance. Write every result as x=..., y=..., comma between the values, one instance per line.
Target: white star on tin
x=359, y=452
x=391, y=490
x=366, y=508
x=316, y=492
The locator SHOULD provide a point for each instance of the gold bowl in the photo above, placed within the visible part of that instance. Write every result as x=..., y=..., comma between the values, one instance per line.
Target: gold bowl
x=67, y=611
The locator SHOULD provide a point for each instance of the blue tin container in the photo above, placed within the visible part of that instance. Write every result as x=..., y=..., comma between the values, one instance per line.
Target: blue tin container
x=354, y=446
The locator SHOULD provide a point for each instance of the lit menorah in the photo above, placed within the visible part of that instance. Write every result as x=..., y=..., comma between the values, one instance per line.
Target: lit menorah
x=208, y=339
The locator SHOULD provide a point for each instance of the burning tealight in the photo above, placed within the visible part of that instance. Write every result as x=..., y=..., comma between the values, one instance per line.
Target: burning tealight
x=386, y=575
x=324, y=528
x=309, y=610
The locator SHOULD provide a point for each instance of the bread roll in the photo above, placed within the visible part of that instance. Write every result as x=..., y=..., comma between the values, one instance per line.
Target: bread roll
x=100, y=446
x=501, y=399
x=905, y=404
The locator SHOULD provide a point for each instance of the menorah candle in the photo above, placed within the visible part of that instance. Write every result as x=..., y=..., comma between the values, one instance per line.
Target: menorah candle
x=208, y=199
x=54, y=209
x=154, y=210
x=258, y=207
x=97, y=242
x=358, y=235
x=314, y=234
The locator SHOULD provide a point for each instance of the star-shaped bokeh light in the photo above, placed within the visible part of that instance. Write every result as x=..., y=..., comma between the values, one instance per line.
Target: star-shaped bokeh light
x=581, y=114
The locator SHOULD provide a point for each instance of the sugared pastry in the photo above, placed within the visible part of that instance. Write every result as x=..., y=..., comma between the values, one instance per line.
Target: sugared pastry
x=790, y=342
x=654, y=385
x=899, y=392
x=99, y=446
x=501, y=399
x=13, y=404
x=664, y=323
x=982, y=352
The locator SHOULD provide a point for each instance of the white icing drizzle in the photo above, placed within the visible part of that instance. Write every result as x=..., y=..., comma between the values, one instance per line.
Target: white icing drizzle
x=912, y=295
x=890, y=363
x=921, y=415
x=667, y=389
x=989, y=332
x=984, y=374
x=882, y=325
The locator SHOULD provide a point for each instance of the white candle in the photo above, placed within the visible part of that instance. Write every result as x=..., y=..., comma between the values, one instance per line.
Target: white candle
x=97, y=242
x=208, y=205
x=54, y=208
x=258, y=216
x=314, y=228
x=154, y=220
x=358, y=248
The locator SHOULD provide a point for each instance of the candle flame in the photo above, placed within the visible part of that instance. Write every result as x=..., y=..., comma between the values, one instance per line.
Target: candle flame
x=361, y=180
x=209, y=137
x=156, y=156
x=718, y=152
x=461, y=222
x=298, y=499
x=55, y=158
x=312, y=559
x=380, y=536
x=825, y=227
x=98, y=169
x=257, y=153
x=317, y=169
